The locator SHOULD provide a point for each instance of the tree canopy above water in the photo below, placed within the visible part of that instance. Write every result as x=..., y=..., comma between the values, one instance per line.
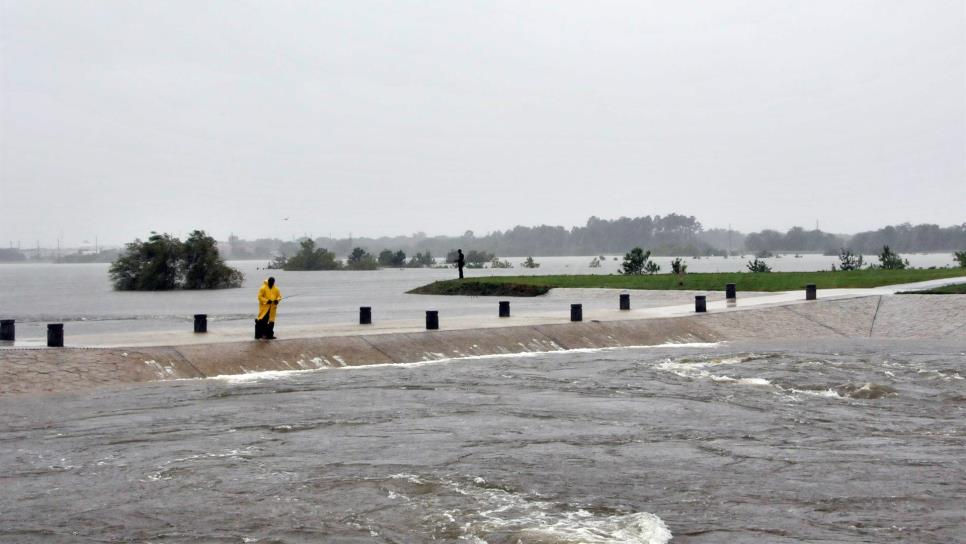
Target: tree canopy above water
x=164, y=262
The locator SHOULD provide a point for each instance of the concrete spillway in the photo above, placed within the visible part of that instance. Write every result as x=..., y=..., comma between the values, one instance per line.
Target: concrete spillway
x=40, y=369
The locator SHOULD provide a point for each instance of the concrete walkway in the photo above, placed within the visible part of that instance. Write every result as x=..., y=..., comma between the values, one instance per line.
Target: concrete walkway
x=843, y=313
x=745, y=301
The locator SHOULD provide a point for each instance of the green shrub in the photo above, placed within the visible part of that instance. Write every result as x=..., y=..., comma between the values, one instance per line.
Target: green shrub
x=888, y=260
x=360, y=259
x=164, y=262
x=849, y=260
x=393, y=259
x=758, y=266
x=311, y=258
x=203, y=266
x=637, y=261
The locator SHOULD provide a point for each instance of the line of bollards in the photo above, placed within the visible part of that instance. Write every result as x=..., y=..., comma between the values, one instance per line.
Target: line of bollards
x=55, y=331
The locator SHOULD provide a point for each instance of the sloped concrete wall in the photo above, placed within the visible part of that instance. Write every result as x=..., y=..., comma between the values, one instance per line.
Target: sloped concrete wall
x=63, y=369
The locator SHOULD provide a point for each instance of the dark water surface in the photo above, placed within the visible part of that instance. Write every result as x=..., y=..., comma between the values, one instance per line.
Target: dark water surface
x=854, y=441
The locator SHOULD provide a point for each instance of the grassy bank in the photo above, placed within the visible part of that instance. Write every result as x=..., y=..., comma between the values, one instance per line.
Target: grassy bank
x=956, y=289
x=774, y=281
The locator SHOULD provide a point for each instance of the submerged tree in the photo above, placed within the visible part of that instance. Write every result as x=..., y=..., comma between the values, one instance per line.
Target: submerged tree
x=361, y=259
x=849, y=260
x=421, y=260
x=471, y=258
x=388, y=258
x=163, y=263
x=152, y=265
x=530, y=263
x=758, y=265
x=635, y=262
x=311, y=258
x=889, y=260
x=203, y=266
x=679, y=268
x=960, y=257
x=278, y=263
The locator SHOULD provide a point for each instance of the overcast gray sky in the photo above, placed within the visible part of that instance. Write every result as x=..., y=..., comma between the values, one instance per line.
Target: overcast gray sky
x=120, y=117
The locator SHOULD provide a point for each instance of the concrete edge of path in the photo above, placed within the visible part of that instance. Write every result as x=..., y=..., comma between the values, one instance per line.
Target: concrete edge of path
x=845, y=316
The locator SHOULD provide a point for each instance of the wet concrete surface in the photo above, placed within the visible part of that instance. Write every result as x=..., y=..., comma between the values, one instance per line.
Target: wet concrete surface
x=847, y=316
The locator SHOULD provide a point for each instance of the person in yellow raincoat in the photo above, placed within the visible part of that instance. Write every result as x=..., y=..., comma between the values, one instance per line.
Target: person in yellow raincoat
x=268, y=298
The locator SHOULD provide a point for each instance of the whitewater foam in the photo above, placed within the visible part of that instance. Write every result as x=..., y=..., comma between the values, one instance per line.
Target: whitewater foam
x=279, y=374
x=698, y=370
x=536, y=520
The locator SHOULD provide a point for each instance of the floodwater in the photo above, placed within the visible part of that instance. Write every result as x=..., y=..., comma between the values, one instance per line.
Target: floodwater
x=80, y=295
x=847, y=441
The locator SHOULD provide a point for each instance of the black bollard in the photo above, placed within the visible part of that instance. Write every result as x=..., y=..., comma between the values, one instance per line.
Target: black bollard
x=700, y=303
x=731, y=292
x=201, y=322
x=365, y=315
x=432, y=319
x=7, y=330
x=811, y=292
x=576, y=312
x=504, y=308
x=55, y=335
x=625, y=301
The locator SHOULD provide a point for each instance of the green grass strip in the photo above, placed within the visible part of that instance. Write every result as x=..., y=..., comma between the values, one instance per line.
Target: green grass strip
x=745, y=281
x=955, y=289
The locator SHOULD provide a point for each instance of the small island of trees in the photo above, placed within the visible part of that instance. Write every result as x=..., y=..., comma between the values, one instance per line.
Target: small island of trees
x=164, y=262
x=310, y=257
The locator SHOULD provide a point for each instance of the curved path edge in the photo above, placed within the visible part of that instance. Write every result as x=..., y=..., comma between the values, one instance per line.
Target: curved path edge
x=32, y=370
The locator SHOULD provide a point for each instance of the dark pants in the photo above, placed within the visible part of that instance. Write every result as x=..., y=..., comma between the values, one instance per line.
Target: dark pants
x=461, y=271
x=265, y=328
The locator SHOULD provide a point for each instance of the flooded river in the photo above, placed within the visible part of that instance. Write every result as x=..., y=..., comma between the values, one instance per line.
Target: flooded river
x=850, y=441
x=81, y=297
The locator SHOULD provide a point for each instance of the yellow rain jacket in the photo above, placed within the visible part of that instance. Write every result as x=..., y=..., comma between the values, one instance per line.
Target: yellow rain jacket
x=266, y=294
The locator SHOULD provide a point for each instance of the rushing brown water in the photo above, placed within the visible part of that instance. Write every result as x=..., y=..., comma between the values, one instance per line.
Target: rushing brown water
x=850, y=441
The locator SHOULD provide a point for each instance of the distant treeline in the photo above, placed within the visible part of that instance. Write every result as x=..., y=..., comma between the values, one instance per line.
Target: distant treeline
x=668, y=235
x=905, y=237
x=671, y=234
x=11, y=255
x=796, y=239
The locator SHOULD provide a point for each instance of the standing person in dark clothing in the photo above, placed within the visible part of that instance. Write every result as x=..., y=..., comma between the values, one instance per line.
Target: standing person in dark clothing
x=460, y=261
x=268, y=298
